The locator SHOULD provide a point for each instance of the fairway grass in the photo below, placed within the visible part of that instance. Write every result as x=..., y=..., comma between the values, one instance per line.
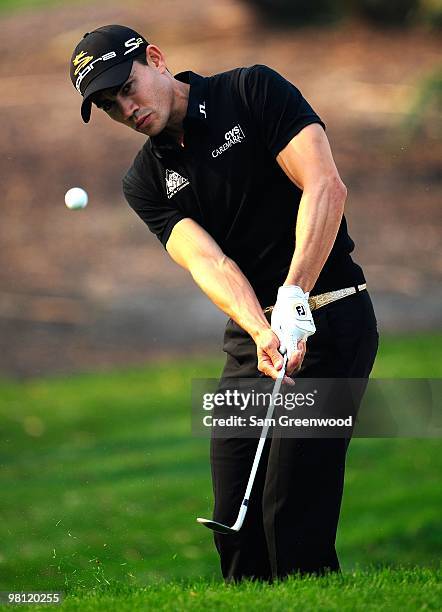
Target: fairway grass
x=373, y=590
x=13, y=6
x=101, y=481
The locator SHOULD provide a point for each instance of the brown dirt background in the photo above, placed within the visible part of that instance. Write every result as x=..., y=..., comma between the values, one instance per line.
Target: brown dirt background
x=93, y=288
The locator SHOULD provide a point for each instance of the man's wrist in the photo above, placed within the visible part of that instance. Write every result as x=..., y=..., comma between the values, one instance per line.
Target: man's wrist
x=258, y=330
x=301, y=280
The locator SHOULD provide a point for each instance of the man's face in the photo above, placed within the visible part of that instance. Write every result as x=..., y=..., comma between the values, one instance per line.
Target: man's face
x=144, y=102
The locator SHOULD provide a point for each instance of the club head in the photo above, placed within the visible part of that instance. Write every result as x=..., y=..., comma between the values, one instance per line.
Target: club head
x=214, y=526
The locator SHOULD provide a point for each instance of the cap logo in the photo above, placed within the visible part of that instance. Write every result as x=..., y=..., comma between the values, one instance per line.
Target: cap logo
x=132, y=44
x=89, y=67
x=81, y=61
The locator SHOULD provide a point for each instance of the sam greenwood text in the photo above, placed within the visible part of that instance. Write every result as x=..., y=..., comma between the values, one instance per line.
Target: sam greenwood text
x=282, y=421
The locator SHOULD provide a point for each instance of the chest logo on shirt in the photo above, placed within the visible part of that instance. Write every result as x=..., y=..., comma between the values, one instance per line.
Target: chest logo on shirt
x=174, y=183
x=232, y=137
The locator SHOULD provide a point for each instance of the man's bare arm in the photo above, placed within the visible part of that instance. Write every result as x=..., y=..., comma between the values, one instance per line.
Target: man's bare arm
x=307, y=160
x=222, y=281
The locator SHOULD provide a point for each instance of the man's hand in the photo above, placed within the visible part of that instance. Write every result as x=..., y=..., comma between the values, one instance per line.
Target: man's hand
x=269, y=355
x=292, y=322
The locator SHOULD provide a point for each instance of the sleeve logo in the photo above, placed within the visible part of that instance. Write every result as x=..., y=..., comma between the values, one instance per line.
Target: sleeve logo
x=174, y=183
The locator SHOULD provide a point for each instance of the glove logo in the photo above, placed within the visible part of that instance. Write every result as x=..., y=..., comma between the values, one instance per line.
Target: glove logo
x=300, y=310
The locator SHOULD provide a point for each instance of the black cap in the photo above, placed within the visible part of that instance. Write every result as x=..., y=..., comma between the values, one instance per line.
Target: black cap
x=103, y=59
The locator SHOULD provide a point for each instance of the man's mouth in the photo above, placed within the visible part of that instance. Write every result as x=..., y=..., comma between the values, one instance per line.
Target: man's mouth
x=142, y=121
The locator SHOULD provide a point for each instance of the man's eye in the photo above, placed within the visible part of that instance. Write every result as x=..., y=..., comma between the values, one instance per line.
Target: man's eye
x=127, y=88
x=107, y=106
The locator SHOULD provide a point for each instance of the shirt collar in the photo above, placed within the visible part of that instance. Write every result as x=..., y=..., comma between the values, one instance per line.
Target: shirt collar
x=196, y=115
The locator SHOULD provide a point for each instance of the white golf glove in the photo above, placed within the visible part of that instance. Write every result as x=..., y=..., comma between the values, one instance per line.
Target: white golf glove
x=292, y=318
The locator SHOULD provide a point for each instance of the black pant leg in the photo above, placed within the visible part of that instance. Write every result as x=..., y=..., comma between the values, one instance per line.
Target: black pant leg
x=242, y=555
x=302, y=500
x=300, y=485
x=304, y=483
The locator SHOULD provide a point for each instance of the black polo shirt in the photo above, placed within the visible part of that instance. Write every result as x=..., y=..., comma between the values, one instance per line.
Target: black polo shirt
x=226, y=177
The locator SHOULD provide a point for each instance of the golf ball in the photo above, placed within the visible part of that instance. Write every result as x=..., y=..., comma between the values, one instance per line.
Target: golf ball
x=76, y=198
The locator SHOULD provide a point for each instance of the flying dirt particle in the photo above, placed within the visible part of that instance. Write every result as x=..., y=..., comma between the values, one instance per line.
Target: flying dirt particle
x=57, y=524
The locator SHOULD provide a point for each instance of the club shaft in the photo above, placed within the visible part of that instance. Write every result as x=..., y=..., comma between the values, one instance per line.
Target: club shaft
x=243, y=509
x=264, y=430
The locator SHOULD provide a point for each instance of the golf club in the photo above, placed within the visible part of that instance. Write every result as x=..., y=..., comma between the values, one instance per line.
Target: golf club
x=219, y=527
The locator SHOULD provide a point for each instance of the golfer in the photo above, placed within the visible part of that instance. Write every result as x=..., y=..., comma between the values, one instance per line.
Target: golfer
x=237, y=181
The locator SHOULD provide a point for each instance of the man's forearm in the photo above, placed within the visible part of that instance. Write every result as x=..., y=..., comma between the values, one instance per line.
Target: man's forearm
x=227, y=287
x=319, y=216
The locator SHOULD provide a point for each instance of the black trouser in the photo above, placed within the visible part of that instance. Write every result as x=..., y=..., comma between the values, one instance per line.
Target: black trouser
x=294, y=508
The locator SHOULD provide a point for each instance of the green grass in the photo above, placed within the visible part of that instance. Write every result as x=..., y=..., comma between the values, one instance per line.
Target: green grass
x=101, y=482
x=9, y=6
x=373, y=590
x=414, y=356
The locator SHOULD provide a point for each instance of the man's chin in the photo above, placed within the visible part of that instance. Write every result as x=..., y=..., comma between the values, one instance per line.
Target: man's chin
x=149, y=130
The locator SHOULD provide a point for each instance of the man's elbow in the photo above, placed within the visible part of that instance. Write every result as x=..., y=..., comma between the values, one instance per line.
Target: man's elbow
x=337, y=192
x=225, y=264
x=208, y=264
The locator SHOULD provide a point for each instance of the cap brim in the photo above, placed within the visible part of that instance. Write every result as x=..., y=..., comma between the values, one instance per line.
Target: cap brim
x=116, y=75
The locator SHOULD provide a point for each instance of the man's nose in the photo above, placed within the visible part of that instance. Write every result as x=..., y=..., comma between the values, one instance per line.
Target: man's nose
x=127, y=107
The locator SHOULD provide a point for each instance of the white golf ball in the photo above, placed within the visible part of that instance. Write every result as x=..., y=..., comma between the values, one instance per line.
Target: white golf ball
x=76, y=198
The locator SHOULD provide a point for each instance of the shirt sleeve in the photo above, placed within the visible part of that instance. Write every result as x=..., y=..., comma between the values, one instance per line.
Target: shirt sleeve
x=278, y=108
x=158, y=214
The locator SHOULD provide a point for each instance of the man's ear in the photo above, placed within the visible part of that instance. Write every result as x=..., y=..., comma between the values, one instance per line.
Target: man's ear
x=155, y=58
